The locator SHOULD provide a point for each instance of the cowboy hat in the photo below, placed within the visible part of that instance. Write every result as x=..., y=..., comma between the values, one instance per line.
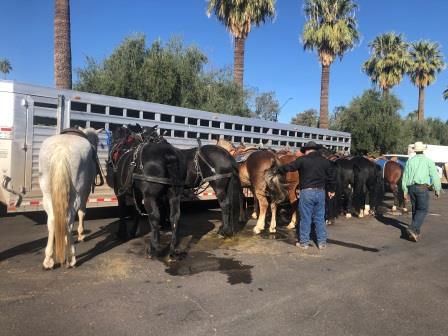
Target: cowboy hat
x=419, y=146
x=310, y=145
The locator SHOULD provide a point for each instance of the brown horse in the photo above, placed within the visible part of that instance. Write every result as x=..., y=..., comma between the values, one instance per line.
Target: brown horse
x=393, y=173
x=256, y=173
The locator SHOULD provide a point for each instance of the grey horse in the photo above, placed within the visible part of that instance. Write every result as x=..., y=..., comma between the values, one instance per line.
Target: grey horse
x=67, y=170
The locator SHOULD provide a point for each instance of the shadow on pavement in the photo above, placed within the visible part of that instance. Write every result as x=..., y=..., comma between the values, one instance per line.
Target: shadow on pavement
x=29, y=247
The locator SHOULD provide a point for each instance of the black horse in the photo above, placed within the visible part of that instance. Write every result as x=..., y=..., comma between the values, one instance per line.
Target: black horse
x=214, y=165
x=368, y=185
x=345, y=181
x=151, y=172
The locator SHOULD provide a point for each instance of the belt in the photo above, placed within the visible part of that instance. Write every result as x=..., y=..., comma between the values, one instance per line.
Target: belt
x=317, y=188
x=421, y=185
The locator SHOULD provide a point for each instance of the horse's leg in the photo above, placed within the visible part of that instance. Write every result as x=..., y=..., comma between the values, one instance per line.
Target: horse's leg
x=273, y=226
x=136, y=215
x=224, y=199
x=242, y=217
x=174, y=204
x=394, y=189
x=293, y=201
x=256, y=211
x=81, y=214
x=263, y=204
x=71, y=259
x=49, y=261
x=153, y=212
x=122, y=229
x=348, y=201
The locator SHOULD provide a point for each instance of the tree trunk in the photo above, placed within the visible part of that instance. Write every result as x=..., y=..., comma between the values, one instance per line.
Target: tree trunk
x=386, y=92
x=325, y=80
x=238, y=61
x=421, y=103
x=62, y=47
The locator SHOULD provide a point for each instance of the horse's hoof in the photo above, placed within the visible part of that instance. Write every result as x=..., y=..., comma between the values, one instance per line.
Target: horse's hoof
x=254, y=215
x=361, y=214
x=272, y=230
x=81, y=238
x=348, y=215
x=48, y=265
x=366, y=208
x=394, y=208
x=405, y=210
x=257, y=230
x=291, y=226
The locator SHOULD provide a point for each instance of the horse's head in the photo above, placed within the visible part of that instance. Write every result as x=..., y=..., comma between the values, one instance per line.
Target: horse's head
x=227, y=145
x=92, y=135
x=151, y=135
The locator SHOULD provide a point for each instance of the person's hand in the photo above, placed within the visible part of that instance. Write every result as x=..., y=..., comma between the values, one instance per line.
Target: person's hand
x=331, y=194
x=406, y=197
x=437, y=192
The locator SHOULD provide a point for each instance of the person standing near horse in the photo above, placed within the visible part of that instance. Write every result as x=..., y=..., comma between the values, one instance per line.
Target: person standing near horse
x=419, y=174
x=316, y=176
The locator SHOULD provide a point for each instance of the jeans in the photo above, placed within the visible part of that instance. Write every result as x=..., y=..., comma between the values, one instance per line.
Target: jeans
x=419, y=196
x=312, y=209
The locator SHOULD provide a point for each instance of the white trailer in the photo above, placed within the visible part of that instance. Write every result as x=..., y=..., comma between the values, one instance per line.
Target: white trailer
x=438, y=154
x=29, y=114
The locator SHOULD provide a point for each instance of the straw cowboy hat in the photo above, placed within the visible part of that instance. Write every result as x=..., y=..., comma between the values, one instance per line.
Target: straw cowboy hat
x=310, y=145
x=419, y=146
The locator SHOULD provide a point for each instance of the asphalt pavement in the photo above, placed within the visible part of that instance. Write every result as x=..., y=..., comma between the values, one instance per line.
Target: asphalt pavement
x=369, y=281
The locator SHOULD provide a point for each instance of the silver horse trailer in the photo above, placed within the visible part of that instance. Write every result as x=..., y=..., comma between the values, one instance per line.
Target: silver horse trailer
x=29, y=114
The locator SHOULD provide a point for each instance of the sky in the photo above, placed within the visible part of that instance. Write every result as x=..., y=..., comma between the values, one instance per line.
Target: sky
x=274, y=57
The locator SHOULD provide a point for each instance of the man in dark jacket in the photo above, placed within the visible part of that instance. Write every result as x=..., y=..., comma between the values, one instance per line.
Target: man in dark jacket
x=316, y=174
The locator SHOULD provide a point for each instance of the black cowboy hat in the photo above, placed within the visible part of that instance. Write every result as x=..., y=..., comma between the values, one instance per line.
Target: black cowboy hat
x=310, y=145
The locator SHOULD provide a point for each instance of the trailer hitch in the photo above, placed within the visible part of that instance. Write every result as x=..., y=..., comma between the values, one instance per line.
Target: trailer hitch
x=5, y=183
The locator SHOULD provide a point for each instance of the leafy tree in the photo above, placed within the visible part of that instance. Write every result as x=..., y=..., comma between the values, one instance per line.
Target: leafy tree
x=62, y=45
x=306, y=118
x=426, y=62
x=163, y=73
x=331, y=29
x=445, y=94
x=374, y=122
x=388, y=62
x=267, y=106
x=238, y=16
x=5, y=67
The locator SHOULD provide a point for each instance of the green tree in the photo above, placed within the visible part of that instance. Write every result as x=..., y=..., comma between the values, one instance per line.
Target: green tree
x=374, y=122
x=267, y=106
x=331, y=29
x=306, y=118
x=238, y=16
x=62, y=45
x=389, y=61
x=445, y=94
x=5, y=67
x=168, y=73
x=426, y=62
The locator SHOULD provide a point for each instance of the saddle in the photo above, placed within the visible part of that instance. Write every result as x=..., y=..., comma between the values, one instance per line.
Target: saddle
x=78, y=132
x=243, y=156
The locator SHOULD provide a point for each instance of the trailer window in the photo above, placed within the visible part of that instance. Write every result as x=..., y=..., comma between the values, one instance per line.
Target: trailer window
x=149, y=115
x=283, y=132
x=165, y=117
x=228, y=137
x=97, y=125
x=98, y=109
x=203, y=136
x=81, y=123
x=228, y=126
x=321, y=137
x=45, y=105
x=191, y=135
x=116, y=111
x=307, y=135
x=237, y=139
x=292, y=133
x=77, y=106
x=44, y=121
x=112, y=126
x=274, y=142
x=265, y=129
x=257, y=129
x=179, y=120
x=247, y=128
x=205, y=123
x=179, y=134
x=238, y=127
x=275, y=131
x=291, y=143
x=282, y=143
x=216, y=124
x=133, y=113
x=248, y=140
x=299, y=134
x=215, y=136
x=256, y=140
x=264, y=141
x=192, y=121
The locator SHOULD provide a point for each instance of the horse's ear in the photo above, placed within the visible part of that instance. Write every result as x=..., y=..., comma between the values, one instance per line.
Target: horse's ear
x=98, y=131
x=81, y=128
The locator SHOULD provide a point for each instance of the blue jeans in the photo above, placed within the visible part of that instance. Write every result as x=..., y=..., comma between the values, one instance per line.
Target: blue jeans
x=419, y=196
x=312, y=209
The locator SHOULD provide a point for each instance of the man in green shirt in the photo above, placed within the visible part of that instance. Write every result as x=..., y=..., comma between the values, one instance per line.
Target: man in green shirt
x=419, y=174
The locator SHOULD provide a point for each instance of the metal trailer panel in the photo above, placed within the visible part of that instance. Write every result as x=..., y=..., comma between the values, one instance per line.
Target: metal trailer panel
x=38, y=112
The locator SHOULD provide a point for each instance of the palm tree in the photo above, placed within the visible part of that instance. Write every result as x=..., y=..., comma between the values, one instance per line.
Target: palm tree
x=5, y=67
x=388, y=62
x=62, y=47
x=331, y=29
x=426, y=62
x=238, y=16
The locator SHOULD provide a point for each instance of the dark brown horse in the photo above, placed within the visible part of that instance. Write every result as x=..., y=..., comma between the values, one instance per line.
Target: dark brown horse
x=256, y=173
x=393, y=173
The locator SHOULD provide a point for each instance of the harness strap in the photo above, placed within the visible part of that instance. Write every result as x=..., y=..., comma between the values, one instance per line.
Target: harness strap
x=155, y=179
x=216, y=177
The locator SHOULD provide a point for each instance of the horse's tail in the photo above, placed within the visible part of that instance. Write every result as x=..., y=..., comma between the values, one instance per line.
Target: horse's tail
x=358, y=187
x=60, y=184
x=379, y=185
x=275, y=184
x=236, y=198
